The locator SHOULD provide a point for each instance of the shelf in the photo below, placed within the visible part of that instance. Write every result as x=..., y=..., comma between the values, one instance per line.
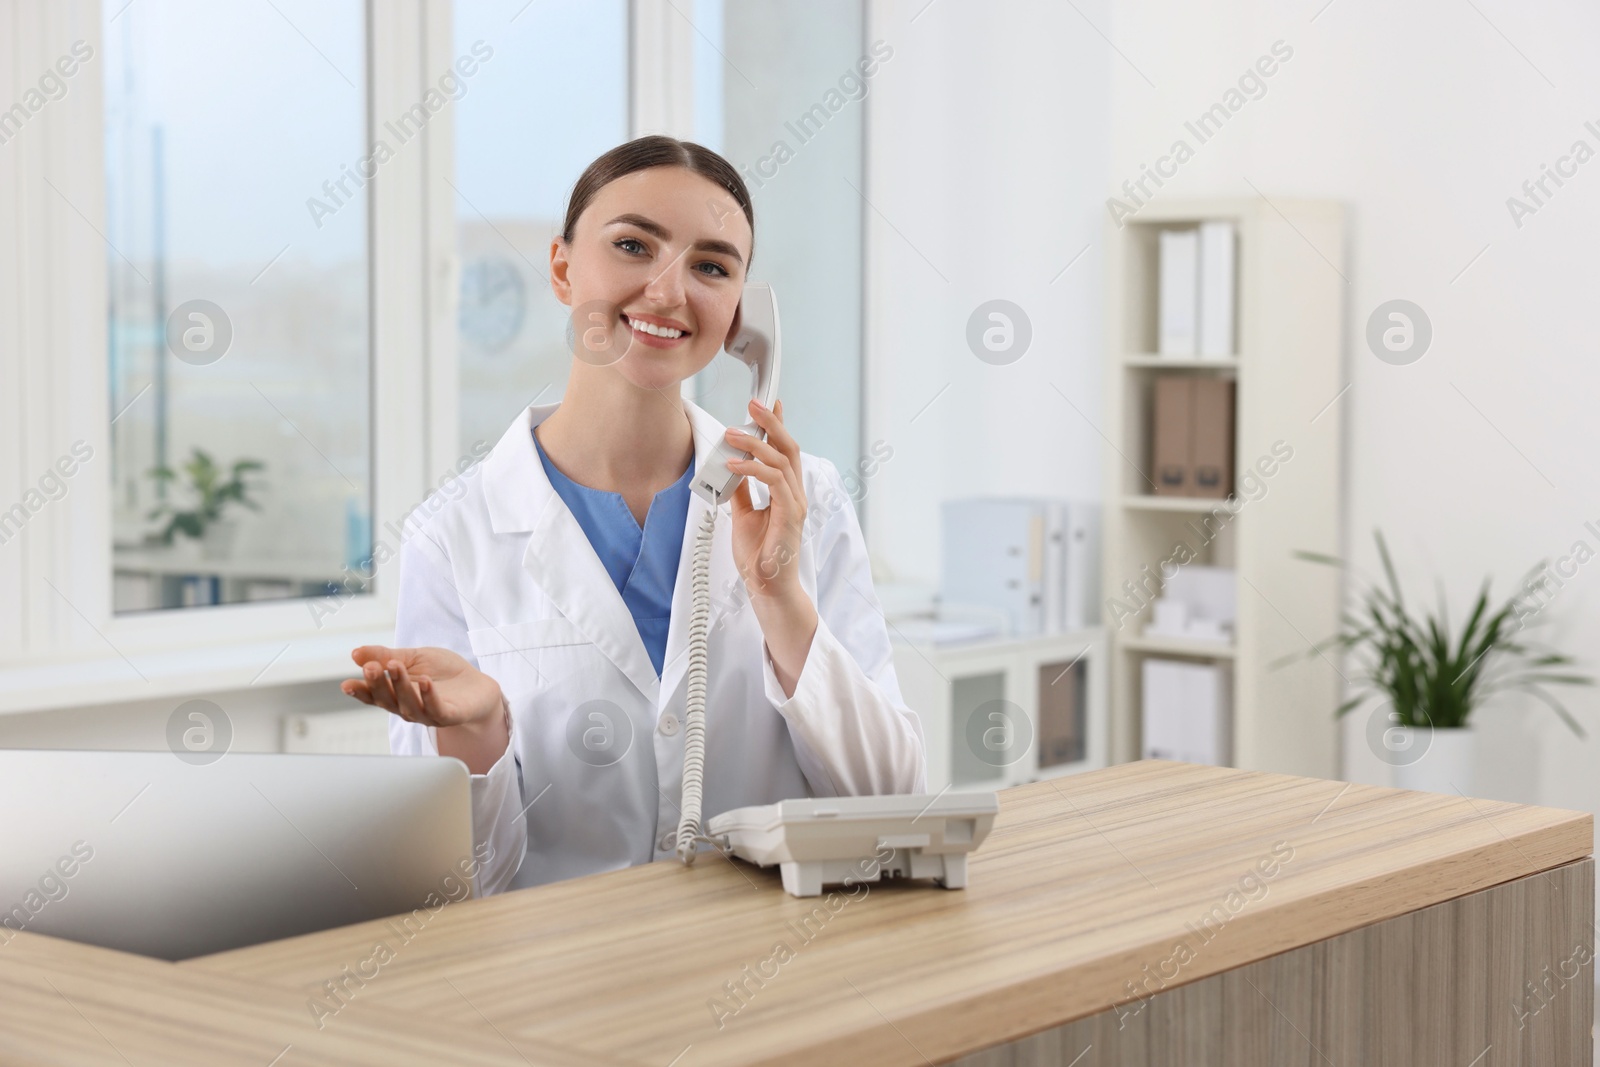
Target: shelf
x=1177, y=646
x=1287, y=301
x=1182, y=362
x=1150, y=502
x=1160, y=214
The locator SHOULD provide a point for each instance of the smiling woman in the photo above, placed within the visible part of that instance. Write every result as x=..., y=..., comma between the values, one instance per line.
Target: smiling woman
x=543, y=616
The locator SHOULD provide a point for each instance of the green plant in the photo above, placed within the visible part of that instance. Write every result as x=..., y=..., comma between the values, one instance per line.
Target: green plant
x=206, y=481
x=1432, y=678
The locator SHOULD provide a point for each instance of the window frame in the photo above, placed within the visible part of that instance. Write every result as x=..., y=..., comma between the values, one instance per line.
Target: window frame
x=61, y=643
x=59, y=634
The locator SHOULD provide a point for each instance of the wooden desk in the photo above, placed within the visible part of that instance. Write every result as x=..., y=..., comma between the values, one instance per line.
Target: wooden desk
x=1327, y=924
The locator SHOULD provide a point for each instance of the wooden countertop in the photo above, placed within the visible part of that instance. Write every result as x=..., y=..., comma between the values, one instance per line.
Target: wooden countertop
x=1086, y=884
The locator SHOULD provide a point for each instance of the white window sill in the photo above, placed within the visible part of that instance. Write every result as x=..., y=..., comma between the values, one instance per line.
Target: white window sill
x=184, y=671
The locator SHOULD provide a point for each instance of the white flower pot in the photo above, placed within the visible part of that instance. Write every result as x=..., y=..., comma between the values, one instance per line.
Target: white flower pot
x=216, y=543
x=1437, y=760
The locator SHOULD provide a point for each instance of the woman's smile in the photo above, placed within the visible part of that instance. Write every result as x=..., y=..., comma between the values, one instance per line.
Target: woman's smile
x=655, y=331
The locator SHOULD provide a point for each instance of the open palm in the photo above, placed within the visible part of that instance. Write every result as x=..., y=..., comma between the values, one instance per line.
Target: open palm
x=432, y=686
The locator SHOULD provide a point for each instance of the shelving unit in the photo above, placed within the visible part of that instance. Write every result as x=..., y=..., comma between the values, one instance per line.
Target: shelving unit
x=950, y=684
x=1288, y=325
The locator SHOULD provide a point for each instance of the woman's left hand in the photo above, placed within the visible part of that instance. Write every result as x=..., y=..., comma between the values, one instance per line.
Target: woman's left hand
x=766, y=542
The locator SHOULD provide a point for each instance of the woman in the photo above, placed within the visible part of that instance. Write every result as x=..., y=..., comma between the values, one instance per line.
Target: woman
x=544, y=613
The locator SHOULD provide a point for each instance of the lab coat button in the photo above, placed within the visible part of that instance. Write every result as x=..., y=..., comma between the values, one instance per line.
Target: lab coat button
x=666, y=841
x=669, y=724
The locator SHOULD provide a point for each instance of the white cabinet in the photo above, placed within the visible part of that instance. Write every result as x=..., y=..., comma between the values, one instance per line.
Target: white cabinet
x=998, y=713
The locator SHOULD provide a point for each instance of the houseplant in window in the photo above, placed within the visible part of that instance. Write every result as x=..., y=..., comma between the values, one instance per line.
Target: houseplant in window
x=1421, y=683
x=212, y=489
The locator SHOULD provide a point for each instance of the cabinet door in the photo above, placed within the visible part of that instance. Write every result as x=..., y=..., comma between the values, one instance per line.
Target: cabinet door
x=992, y=743
x=1063, y=719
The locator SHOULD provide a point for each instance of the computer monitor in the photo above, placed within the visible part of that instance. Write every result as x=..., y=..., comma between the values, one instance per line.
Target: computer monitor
x=147, y=853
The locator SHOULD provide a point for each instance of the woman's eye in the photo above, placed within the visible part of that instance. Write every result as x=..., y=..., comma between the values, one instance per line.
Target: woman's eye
x=633, y=246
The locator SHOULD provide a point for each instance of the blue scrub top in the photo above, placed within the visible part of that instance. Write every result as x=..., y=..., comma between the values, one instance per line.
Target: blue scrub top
x=643, y=564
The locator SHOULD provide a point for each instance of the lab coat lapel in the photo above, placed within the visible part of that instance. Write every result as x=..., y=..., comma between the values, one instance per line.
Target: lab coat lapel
x=724, y=585
x=558, y=556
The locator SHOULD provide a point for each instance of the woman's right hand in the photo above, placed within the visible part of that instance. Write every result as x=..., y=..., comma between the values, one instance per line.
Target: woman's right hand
x=431, y=686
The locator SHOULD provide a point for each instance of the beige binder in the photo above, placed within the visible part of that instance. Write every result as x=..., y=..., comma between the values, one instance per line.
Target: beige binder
x=1170, y=436
x=1211, y=450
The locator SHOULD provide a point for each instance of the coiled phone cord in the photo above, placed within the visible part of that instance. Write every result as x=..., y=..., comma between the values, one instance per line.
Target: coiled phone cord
x=694, y=735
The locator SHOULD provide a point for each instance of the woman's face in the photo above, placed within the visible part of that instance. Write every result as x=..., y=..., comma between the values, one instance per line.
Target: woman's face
x=660, y=248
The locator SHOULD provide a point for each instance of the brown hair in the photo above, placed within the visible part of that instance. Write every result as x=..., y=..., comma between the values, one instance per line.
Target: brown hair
x=657, y=150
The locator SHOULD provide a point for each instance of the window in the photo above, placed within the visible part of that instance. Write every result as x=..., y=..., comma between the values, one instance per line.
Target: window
x=236, y=220
x=779, y=92
x=552, y=96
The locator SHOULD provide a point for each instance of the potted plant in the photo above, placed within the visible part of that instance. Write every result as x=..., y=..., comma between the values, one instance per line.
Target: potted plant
x=1422, y=683
x=204, y=522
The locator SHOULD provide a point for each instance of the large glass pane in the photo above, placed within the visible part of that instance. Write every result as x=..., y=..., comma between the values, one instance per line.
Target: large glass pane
x=237, y=170
x=551, y=95
x=780, y=91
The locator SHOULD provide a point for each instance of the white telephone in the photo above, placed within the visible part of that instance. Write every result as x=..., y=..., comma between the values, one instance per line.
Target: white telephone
x=756, y=345
x=816, y=841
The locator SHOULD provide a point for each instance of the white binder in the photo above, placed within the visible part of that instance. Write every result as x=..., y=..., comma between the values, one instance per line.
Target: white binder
x=1186, y=712
x=1216, y=288
x=1179, y=308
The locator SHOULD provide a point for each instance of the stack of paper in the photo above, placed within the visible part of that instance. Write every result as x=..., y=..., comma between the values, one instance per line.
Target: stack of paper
x=920, y=631
x=1199, y=603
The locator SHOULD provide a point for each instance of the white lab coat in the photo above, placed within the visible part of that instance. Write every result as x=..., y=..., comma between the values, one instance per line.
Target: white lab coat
x=505, y=576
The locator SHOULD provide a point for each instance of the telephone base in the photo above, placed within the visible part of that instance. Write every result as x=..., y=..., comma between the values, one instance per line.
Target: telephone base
x=806, y=879
x=822, y=841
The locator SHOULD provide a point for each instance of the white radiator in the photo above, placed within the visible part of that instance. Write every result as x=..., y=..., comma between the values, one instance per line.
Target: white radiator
x=359, y=731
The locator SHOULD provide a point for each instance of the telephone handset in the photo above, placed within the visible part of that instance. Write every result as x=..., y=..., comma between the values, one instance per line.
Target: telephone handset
x=756, y=345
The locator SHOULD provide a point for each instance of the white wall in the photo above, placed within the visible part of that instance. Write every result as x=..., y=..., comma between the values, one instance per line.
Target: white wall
x=988, y=146
x=995, y=133
x=1424, y=118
